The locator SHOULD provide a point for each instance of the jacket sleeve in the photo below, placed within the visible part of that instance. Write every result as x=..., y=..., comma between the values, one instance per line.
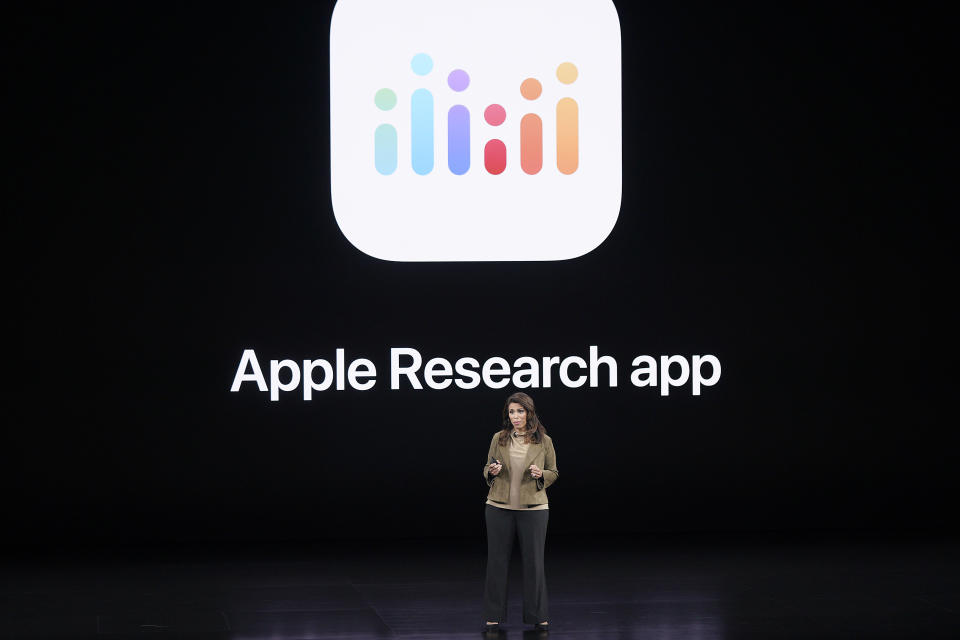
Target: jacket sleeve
x=550, y=472
x=486, y=467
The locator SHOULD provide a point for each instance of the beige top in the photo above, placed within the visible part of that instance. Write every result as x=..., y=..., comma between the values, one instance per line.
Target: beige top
x=518, y=453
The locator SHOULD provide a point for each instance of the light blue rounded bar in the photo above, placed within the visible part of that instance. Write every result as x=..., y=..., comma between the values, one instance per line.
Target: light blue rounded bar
x=421, y=131
x=385, y=149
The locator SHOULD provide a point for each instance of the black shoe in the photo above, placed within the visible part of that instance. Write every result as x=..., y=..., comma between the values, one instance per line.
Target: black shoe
x=495, y=627
x=542, y=626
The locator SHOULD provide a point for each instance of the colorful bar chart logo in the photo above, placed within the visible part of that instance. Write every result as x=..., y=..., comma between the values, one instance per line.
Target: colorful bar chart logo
x=475, y=130
x=422, y=127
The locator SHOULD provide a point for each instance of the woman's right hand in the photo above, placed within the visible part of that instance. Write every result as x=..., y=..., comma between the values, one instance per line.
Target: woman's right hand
x=495, y=468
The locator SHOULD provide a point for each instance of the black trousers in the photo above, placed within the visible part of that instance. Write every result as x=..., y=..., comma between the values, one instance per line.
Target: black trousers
x=502, y=526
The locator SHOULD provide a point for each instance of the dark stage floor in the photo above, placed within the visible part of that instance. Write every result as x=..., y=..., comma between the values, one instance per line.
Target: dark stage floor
x=690, y=588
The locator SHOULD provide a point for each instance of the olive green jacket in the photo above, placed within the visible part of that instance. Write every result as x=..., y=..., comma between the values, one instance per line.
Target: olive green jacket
x=532, y=491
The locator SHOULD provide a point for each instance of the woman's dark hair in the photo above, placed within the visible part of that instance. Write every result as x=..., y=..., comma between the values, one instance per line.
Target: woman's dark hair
x=535, y=428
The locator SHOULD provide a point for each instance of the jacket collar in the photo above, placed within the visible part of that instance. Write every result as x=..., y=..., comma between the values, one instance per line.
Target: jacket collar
x=532, y=451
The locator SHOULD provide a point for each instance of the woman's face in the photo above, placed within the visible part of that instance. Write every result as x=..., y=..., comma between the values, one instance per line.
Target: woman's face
x=517, y=415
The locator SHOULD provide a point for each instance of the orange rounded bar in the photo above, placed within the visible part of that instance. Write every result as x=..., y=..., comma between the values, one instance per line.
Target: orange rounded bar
x=568, y=135
x=531, y=143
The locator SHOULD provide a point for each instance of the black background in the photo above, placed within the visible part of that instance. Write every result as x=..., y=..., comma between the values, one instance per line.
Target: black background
x=168, y=206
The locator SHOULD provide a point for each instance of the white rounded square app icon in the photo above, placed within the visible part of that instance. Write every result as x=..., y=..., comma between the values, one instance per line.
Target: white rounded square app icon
x=475, y=130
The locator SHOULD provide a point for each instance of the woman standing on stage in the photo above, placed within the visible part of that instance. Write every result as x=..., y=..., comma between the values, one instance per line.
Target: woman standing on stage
x=521, y=464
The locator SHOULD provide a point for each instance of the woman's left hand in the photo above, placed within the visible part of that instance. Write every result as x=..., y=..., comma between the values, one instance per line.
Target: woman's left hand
x=535, y=471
